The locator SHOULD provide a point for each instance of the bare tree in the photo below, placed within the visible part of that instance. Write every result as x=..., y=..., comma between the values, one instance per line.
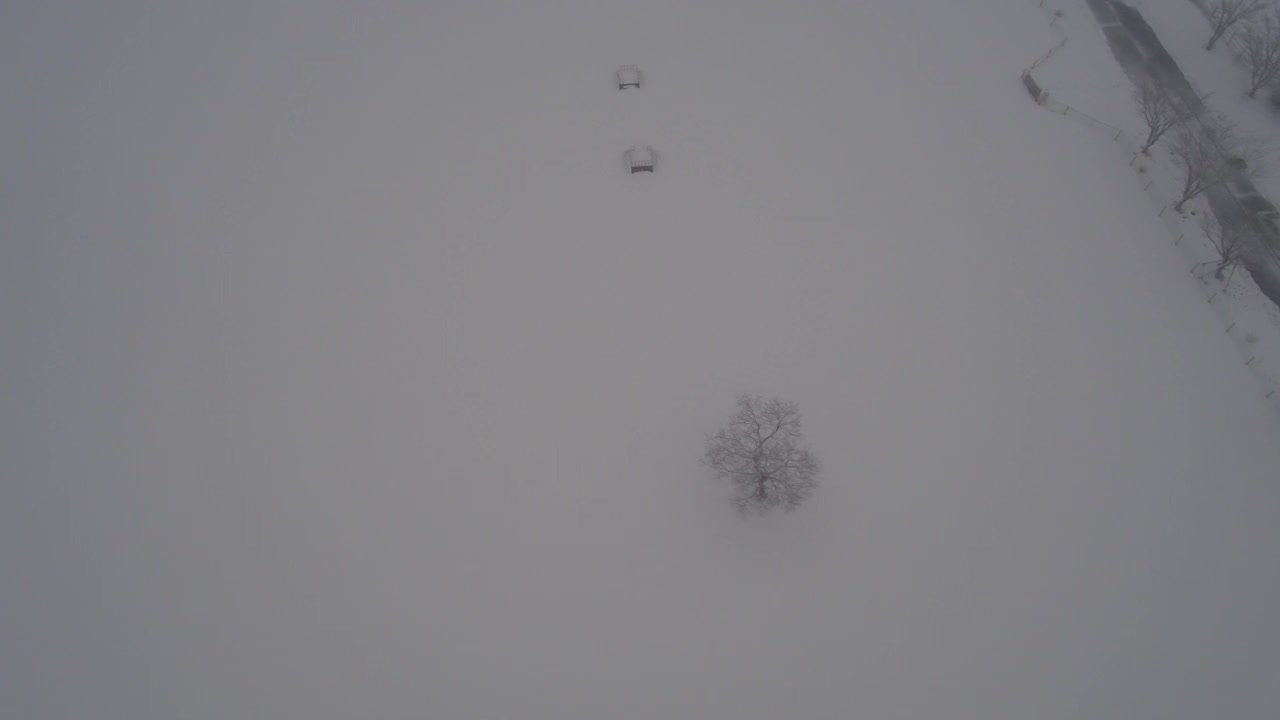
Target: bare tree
x=1212, y=151
x=760, y=451
x=1228, y=241
x=1224, y=14
x=1202, y=168
x=1260, y=51
x=1159, y=109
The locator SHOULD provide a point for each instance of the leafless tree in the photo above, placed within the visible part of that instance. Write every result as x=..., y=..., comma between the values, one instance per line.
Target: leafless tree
x=1211, y=150
x=760, y=451
x=1224, y=14
x=1228, y=241
x=1260, y=51
x=1159, y=109
x=1202, y=167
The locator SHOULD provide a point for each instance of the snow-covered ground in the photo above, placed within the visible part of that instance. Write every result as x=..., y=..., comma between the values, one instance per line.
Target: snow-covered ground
x=345, y=372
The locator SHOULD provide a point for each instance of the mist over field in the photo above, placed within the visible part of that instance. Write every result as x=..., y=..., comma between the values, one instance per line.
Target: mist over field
x=346, y=372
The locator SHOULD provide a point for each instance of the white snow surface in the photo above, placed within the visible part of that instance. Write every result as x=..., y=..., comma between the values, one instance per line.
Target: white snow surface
x=345, y=372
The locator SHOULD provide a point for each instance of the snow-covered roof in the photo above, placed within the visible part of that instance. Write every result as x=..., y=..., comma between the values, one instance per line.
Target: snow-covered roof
x=640, y=155
x=628, y=76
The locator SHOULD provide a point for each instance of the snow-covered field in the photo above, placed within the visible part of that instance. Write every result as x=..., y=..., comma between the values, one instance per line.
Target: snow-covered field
x=344, y=372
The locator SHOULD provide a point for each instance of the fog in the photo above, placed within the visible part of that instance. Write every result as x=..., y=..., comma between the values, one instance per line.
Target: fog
x=345, y=372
